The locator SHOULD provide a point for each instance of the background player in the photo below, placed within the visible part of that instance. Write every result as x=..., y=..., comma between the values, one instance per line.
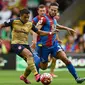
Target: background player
x=20, y=30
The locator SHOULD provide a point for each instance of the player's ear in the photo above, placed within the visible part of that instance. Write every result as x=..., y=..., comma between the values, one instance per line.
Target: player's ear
x=38, y=11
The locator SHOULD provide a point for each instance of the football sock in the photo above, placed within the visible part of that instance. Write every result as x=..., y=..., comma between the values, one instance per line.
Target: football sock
x=52, y=66
x=37, y=61
x=27, y=72
x=72, y=70
x=31, y=65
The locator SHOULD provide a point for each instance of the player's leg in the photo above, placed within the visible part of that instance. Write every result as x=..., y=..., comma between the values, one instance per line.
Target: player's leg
x=52, y=67
x=25, y=75
x=28, y=71
x=37, y=61
x=61, y=55
x=43, y=53
x=26, y=53
x=30, y=61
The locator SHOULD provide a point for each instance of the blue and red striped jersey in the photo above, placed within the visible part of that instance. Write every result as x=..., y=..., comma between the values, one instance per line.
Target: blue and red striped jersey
x=49, y=24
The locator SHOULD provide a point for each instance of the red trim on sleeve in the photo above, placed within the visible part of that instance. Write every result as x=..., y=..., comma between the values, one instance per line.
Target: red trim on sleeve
x=42, y=20
x=33, y=22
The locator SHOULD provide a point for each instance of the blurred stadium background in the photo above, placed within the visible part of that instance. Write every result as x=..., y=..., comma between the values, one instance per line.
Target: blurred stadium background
x=71, y=14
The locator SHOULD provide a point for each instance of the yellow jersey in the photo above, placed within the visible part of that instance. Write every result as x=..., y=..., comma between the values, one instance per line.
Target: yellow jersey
x=20, y=30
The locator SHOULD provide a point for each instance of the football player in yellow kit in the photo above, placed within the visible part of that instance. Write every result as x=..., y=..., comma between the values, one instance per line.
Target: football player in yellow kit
x=20, y=29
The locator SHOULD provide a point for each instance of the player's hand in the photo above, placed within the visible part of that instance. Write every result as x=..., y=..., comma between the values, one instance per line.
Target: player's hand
x=71, y=31
x=33, y=45
x=60, y=41
x=53, y=32
x=56, y=30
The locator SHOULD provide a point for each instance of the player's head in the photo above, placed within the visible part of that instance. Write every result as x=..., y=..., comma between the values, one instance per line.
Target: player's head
x=53, y=9
x=41, y=10
x=24, y=14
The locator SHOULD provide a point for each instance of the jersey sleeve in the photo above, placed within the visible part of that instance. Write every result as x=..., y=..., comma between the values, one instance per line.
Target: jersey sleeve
x=34, y=28
x=9, y=22
x=42, y=20
x=56, y=23
x=35, y=20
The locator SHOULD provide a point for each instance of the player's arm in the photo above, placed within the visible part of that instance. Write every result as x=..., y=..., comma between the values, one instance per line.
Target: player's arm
x=43, y=33
x=41, y=22
x=2, y=25
x=57, y=38
x=6, y=23
x=34, y=21
x=34, y=37
x=70, y=30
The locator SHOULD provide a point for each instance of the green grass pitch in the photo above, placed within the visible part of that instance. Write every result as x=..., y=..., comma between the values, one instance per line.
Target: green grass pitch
x=12, y=78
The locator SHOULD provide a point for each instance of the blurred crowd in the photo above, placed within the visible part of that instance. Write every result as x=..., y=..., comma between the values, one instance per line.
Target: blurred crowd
x=11, y=8
x=75, y=43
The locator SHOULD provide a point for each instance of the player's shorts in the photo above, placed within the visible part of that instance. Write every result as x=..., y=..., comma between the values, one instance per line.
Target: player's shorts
x=44, y=51
x=18, y=48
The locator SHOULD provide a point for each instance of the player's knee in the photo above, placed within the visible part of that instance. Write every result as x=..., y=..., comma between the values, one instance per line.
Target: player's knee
x=43, y=66
x=53, y=60
x=67, y=62
x=30, y=54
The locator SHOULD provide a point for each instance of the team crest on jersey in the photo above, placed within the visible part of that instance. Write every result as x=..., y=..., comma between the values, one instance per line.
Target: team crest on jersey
x=19, y=47
x=40, y=21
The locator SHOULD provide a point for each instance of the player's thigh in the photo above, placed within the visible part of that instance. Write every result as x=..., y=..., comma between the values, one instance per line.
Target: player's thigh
x=43, y=53
x=62, y=56
x=53, y=59
x=21, y=50
x=26, y=53
x=44, y=65
x=56, y=48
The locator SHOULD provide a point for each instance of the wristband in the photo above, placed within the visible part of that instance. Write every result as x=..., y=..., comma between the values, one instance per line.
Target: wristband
x=50, y=33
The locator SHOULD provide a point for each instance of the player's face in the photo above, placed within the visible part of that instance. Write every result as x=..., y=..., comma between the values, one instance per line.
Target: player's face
x=53, y=10
x=41, y=11
x=25, y=17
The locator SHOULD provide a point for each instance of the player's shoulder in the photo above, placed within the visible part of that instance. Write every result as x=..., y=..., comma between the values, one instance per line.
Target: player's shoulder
x=36, y=17
x=29, y=23
x=15, y=19
x=43, y=18
x=10, y=21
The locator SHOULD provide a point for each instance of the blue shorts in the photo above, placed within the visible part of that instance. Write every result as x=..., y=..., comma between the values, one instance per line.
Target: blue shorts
x=44, y=51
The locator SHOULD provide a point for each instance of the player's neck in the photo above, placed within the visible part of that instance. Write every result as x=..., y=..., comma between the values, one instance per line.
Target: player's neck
x=50, y=16
x=21, y=19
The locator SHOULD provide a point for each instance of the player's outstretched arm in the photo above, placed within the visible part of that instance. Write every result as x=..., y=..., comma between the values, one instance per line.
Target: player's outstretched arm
x=70, y=30
x=2, y=25
x=43, y=33
x=6, y=23
x=34, y=35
